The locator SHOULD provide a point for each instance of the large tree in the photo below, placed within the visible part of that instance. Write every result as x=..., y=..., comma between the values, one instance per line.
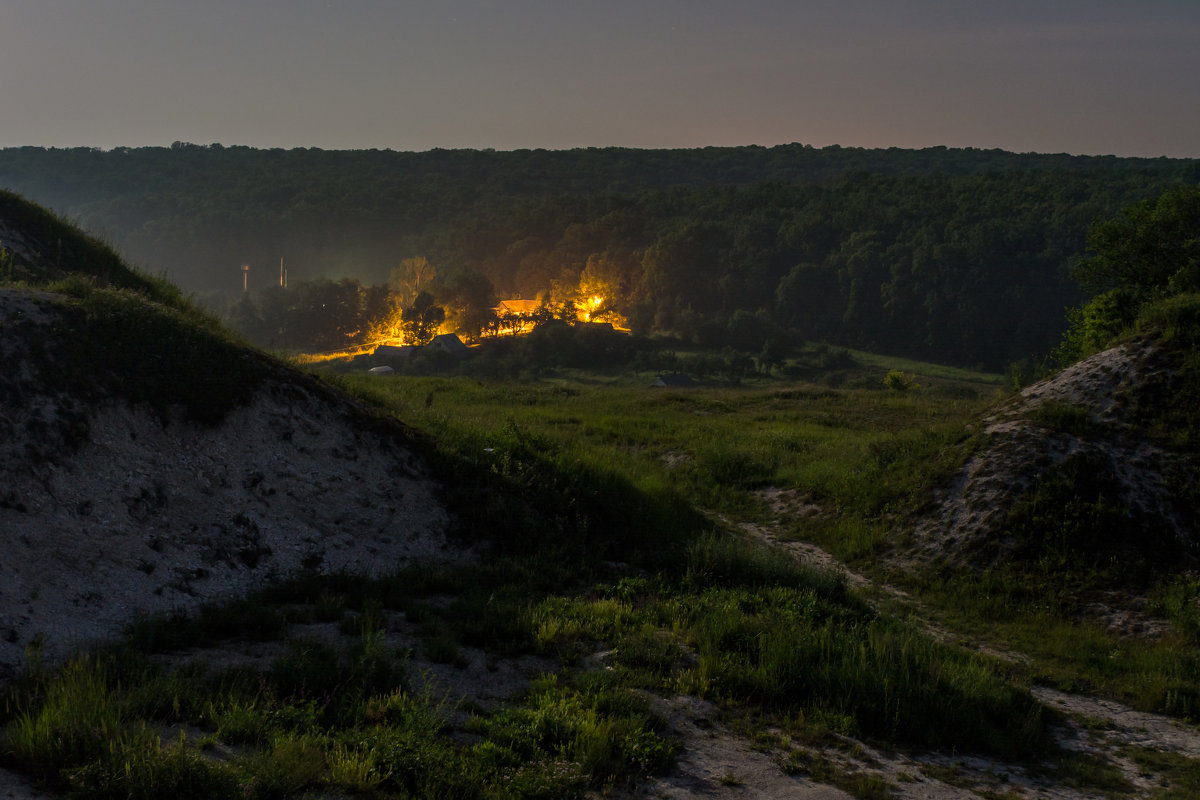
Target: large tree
x=413, y=276
x=1149, y=248
x=472, y=299
x=422, y=319
x=1148, y=252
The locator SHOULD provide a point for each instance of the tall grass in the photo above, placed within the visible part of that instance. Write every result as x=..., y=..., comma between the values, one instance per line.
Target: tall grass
x=1036, y=613
x=309, y=728
x=123, y=346
x=765, y=630
x=67, y=250
x=789, y=638
x=867, y=459
x=740, y=623
x=84, y=736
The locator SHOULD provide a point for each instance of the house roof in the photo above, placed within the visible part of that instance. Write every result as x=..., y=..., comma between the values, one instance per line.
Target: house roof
x=449, y=343
x=517, y=306
x=393, y=351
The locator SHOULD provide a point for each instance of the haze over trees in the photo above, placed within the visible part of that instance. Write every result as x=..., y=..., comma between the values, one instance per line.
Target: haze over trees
x=960, y=256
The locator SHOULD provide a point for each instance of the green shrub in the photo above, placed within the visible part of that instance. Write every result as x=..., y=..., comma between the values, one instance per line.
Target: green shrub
x=77, y=720
x=291, y=764
x=1095, y=325
x=606, y=731
x=145, y=770
x=898, y=381
x=1176, y=320
x=1065, y=418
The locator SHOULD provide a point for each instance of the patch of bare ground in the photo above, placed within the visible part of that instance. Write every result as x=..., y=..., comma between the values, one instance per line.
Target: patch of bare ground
x=715, y=763
x=1121, y=726
x=16, y=787
x=675, y=459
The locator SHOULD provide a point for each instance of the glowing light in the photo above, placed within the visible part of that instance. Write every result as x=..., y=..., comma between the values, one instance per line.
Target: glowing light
x=590, y=306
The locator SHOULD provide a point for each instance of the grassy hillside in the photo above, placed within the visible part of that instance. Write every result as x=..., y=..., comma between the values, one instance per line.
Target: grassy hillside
x=124, y=334
x=40, y=248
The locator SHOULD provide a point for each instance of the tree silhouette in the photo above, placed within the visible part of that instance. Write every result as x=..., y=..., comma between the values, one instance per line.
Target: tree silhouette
x=421, y=320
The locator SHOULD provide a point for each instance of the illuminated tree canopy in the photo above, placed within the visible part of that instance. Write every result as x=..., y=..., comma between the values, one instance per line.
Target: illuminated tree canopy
x=421, y=320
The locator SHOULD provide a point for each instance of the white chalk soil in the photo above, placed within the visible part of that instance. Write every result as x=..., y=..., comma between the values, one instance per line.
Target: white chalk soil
x=147, y=517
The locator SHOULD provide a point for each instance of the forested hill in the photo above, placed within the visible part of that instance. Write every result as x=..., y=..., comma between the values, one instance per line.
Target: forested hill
x=956, y=255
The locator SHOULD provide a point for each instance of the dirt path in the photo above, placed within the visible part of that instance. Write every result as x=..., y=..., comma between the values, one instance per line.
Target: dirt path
x=715, y=763
x=15, y=787
x=718, y=763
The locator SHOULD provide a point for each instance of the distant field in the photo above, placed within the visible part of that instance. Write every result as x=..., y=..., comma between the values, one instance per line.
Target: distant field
x=854, y=452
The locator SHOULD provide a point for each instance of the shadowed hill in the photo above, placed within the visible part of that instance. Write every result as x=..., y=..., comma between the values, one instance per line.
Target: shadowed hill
x=41, y=248
x=1083, y=470
x=151, y=463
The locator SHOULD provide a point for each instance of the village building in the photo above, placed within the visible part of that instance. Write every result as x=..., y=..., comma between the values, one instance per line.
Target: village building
x=516, y=307
x=448, y=343
x=516, y=315
x=391, y=351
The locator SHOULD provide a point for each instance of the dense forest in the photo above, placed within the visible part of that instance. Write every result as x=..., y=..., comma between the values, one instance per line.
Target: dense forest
x=959, y=256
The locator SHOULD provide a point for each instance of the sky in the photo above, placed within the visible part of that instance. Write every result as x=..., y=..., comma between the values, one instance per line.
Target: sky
x=1093, y=77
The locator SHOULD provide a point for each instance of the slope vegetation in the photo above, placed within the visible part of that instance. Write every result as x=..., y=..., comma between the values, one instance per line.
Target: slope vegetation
x=1074, y=470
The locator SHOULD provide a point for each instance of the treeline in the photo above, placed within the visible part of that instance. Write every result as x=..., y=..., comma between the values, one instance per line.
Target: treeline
x=961, y=256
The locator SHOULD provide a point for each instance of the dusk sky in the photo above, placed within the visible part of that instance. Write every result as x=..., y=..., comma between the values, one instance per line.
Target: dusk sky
x=1076, y=76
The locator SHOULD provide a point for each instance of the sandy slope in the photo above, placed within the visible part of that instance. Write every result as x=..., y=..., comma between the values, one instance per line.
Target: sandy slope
x=145, y=518
x=1020, y=451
